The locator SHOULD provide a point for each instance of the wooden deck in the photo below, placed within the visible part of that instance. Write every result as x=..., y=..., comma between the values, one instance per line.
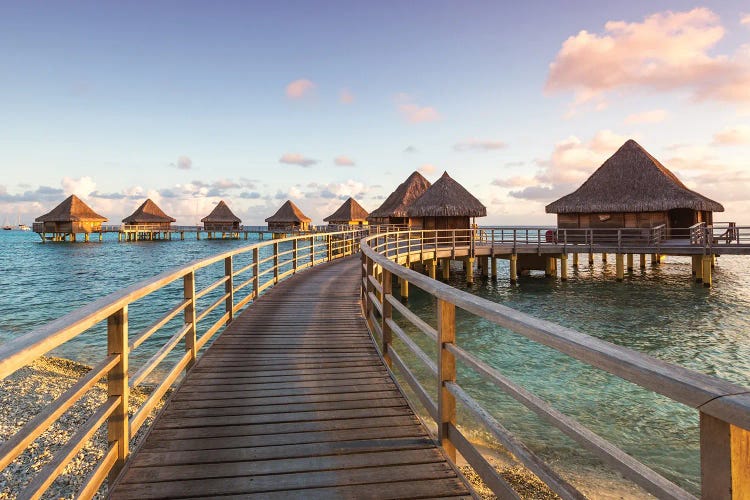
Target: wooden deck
x=292, y=401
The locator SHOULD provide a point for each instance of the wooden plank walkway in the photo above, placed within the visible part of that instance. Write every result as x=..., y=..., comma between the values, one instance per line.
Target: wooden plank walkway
x=292, y=401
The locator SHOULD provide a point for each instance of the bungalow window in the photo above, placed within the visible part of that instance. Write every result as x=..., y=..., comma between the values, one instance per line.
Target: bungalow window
x=604, y=217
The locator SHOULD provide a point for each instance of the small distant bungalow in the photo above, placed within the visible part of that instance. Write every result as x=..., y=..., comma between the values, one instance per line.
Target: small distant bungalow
x=350, y=213
x=150, y=217
x=221, y=219
x=445, y=205
x=393, y=209
x=68, y=218
x=288, y=218
x=632, y=189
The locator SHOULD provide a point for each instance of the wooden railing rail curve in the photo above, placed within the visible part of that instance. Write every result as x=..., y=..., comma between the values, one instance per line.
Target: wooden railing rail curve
x=723, y=406
x=305, y=251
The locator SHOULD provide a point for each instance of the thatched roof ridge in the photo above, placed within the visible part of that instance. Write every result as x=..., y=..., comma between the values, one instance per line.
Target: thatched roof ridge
x=72, y=209
x=350, y=210
x=148, y=212
x=632, y=180
x=221, y=213
x=405, y=194
x=289, y=212
x=446, y=198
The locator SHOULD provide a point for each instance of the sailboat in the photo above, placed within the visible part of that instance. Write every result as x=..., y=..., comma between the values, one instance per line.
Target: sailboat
x=6, y=225
x=22, y=227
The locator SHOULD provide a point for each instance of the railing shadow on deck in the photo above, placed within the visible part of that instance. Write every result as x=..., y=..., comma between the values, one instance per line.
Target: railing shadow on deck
x=724, y=407
x=264, y=265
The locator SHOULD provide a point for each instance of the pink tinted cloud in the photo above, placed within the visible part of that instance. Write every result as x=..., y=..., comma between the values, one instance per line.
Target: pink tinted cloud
x=745, y=19
x=344, y=161
x=299, y=89
x=427, y=169
x=346, y=96
x=733, y=136
x=666, y=51
x=414, y=113
x=652, y=116
x=297, y=159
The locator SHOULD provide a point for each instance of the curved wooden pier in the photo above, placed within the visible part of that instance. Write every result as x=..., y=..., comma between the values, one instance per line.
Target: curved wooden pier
x=292, y=400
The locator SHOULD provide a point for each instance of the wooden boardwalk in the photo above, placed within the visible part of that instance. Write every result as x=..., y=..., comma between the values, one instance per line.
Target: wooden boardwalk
x=292, y=401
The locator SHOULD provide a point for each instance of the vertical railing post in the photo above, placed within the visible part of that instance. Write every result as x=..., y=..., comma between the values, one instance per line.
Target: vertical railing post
x=446, y=323
x=387, y=284
x=294, y=256
x=275, y=263
x=256, y=275
x=619, y=239
x=188, y=283
x=312, y=251
x=329, y=245
x=118, y=427
x=229, y=287
x=725, y=459
x=368, y=289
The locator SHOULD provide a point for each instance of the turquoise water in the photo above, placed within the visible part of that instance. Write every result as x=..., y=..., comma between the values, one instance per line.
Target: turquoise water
x=659, y=312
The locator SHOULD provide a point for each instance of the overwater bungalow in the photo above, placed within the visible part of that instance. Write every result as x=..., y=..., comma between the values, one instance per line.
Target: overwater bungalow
x=68, y=218
x=149, y=214
x=632, y=189
x=393, y=209
x=445, y=205
x=288, y=218
x=221, y=219
x=350, y=213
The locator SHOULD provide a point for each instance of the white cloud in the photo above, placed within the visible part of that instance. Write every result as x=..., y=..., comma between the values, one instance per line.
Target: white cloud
x=83, y=186
x=299, y=89
x=652, y=116
x=479, y=145
x=666, y=51
x=346, y=96
x=415, y=113
x=344, y=161
x=745, y=19
x=733, y=136
x=297, y=159
x=427, y=169
x=183, y=163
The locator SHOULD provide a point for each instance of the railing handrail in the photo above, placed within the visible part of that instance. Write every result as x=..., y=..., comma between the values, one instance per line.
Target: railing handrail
x=723, y=405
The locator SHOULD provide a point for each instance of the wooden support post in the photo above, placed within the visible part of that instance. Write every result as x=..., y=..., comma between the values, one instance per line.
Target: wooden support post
x=643, y=261
x=229, y=288
x=188, y=283
x=591, y=259
x=548, y=267
x=387, y=314
x=469, y=267
x=312, y=250
x=630, y=262
x=368, y=289
x=604, y=257
x=564, y=267
x=85, y=237
x=620, y=267
x=575, y=261
x=294, y=256
x=654, y=260
x=445, y=268
x=101, y=236
x=118, y=427
x=275, y=263
x=706, y=274
x=513, y=268
x=446, y=323
x=73, y=237
x=493, y=260
x=432, y=268
x=725, y=459
x=404, y=288
x=329, y=246
x=485, y=262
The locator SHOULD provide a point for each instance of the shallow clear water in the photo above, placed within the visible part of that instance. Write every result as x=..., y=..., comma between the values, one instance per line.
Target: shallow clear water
x=658, y=311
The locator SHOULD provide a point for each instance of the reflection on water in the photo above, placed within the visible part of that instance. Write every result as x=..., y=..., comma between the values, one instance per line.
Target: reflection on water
x=657, y=311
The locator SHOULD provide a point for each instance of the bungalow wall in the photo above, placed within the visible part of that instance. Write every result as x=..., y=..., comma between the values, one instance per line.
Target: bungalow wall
x=459, y=222
x=72, y=227
x=221, y=226
x=288, y=226
x=612, y=220
x=151, y=226
x=348, y=223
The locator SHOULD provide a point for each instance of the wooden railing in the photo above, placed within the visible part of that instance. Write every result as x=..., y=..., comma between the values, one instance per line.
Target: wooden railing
x=245, y=273
x=724, y=407
x=620, y=238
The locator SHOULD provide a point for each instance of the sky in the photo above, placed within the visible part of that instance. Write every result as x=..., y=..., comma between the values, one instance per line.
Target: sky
x=255, y=103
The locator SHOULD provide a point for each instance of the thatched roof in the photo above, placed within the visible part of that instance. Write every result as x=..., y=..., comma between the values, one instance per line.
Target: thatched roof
x=632, y=180
x=350, y=210
x=446, y=198
x=73, y=209
x=221, y=213
x=147, y=213
x=406, y=193
x=289, y=212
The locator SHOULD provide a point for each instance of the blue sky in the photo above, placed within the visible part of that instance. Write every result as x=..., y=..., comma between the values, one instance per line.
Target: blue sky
x=192, y=102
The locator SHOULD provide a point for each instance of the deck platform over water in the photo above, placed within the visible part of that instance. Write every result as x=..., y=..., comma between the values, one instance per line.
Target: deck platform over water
x=292, y=400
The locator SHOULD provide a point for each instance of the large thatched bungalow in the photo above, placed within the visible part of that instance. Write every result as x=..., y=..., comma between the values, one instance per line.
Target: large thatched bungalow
x=149, y=216
x=350, y=213
x=70, y=217
x=222, y=219
x=445, y=205
x=393, y=209
x=633, y=190
x=288, y=218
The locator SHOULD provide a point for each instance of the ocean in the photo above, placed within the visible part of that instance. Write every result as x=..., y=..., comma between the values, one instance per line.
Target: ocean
x=658, y=311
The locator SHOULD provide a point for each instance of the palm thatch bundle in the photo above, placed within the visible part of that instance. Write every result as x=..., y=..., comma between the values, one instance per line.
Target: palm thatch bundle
x=632, y=180
x=72, y=209
x=148, y=213
x=446, y=198
x=349, y=211
x=221, y=214
x=289, y=212
x=406, y=193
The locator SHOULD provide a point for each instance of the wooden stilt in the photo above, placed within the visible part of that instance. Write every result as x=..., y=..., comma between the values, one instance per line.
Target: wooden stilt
x=564, y=267
x=707, y=270
x=469, y=268
x=575, y=261
x=643, y=261
x=604, y=258
x=494, y=268
x=654, y=260
x=404, y=288
x=445, y=268
x=630, y=262
x=619, y=266
x=513, y=268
